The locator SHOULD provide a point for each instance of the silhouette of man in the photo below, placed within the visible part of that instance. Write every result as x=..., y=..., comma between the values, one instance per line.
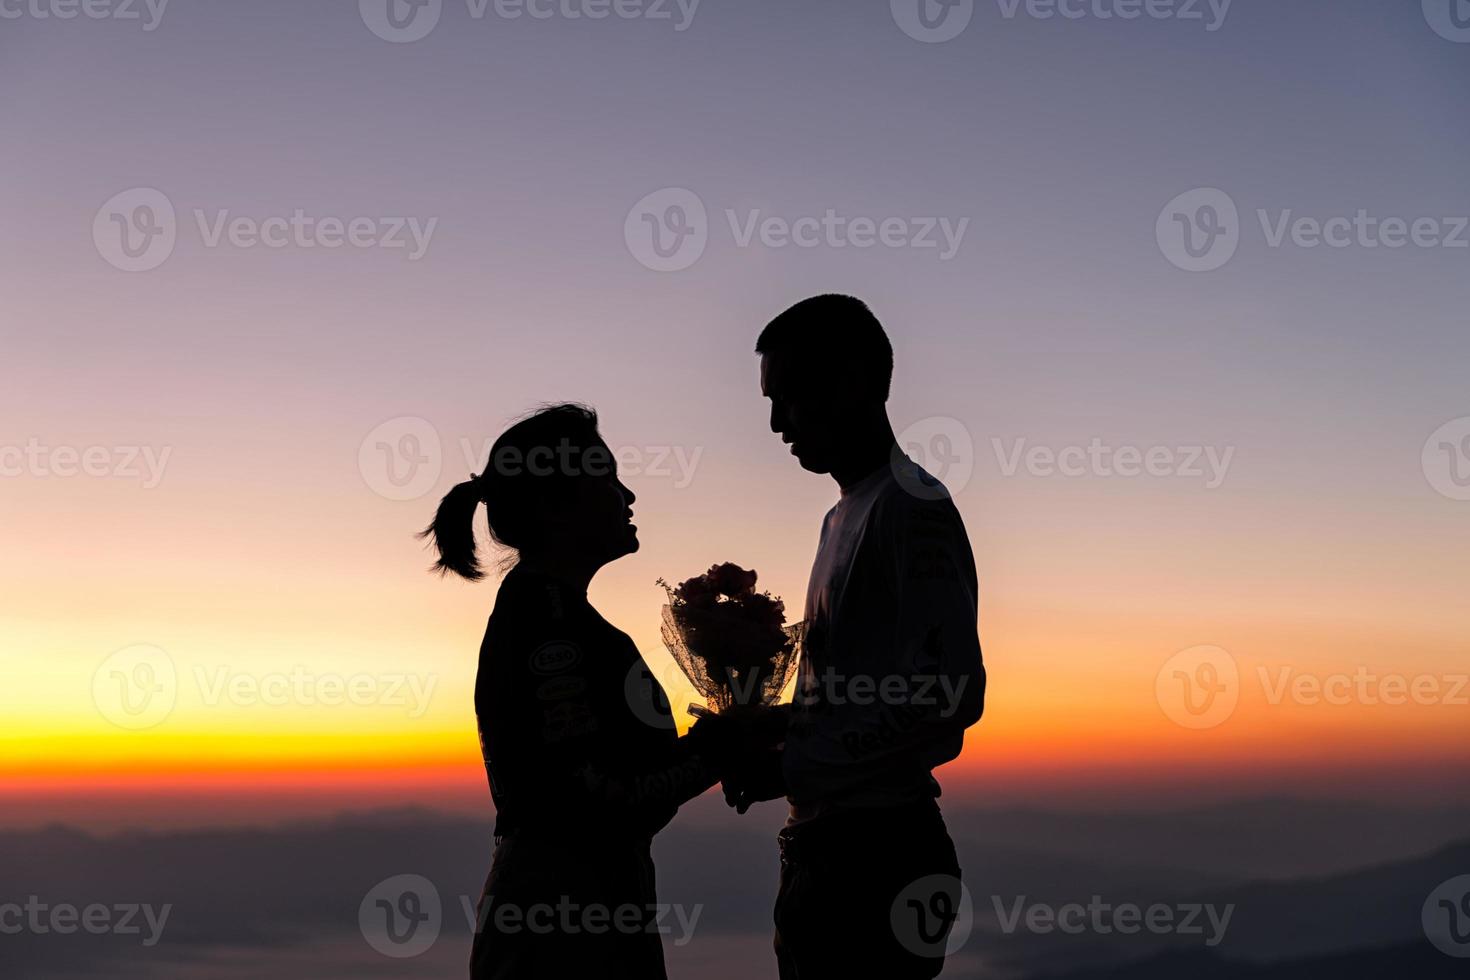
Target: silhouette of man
x=890, y=678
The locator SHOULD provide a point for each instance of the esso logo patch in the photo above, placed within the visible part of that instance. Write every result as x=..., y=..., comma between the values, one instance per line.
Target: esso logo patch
x=555, y=657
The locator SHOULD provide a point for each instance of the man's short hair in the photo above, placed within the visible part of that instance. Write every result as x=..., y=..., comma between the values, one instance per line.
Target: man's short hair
x=838, y=339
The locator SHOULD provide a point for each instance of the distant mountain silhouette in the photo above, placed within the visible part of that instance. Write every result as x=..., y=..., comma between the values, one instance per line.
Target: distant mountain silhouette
x=283, y=901
x=1371, y=909
x=1375, y=906
x=1271, y=837
x=1413, y=961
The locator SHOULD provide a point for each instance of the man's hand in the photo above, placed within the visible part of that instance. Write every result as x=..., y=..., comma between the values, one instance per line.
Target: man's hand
x=760, y=726
x=742, y=745
x=725, y=740
x=756, y=779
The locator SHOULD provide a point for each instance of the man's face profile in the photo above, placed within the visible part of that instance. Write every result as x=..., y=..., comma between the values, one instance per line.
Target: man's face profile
x=805, y=411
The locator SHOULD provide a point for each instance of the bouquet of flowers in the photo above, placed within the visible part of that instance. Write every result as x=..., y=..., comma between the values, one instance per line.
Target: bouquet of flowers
x=731, y=641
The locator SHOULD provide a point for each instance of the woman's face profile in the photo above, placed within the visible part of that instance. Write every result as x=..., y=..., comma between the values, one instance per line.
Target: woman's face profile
x=610, y=513
x=597, y=514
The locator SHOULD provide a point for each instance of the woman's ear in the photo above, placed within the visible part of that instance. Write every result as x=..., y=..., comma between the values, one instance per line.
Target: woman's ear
x=553, y=512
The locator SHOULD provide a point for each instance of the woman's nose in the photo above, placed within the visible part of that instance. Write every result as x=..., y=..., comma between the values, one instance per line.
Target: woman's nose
x=628, y=495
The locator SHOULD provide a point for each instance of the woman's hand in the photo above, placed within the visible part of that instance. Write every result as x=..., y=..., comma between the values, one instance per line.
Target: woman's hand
x=730, y=739
x=760, y=725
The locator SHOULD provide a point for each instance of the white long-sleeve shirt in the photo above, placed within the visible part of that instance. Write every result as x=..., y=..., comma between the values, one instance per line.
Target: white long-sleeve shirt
x=891, y=675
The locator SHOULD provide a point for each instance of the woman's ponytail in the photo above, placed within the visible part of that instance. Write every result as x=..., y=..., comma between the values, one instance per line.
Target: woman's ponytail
x=512, y=489
x=453, y=532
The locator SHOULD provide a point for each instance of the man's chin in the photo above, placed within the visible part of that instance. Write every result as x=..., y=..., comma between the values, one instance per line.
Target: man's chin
x=813, y=465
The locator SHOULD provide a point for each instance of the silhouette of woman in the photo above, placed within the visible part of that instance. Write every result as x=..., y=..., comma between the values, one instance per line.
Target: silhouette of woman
x=581, y=775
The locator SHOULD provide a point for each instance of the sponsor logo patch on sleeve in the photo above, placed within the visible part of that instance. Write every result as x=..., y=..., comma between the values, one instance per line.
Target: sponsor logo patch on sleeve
x=555, y=657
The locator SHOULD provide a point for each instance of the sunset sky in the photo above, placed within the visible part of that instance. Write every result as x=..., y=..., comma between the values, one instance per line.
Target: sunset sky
x=260, y=382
